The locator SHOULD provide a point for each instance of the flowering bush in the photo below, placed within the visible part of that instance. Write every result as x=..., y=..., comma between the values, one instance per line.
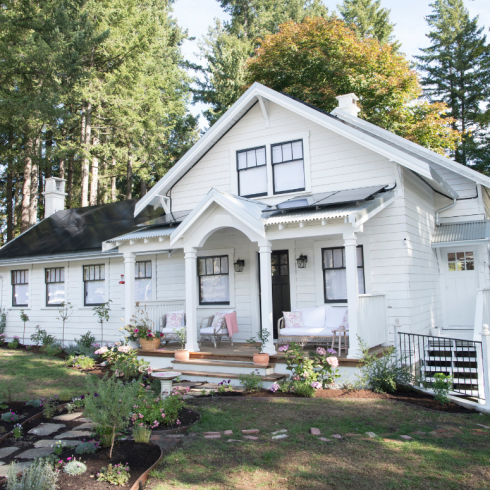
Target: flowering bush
x=2, y=338
x=274, y=387
x=225, y=386
x=10, y=417
x=115, y=475
x=74, y=467
x=283, y=348
x=143, y=326
x=82, y=362
x=316, y=384
x=17, y=431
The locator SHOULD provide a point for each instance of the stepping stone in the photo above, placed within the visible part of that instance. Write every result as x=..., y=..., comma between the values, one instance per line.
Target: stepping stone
x=353, y=435
x=250, y=431
x=87, y=425
x=46, y=429
x=74, y=433
x=84, y=419
x=6, y=451
x=314, y=432
x=371, y=434
x=280, y=436
x=282, y=431
x=68, y=416
x=228, y=432
x=324, y=439
x=234, y=440
x=212, y=433
x=484, y=426
x=39, y=452
x=1, y=463
x=155, y=438
x=19, y=467
x=173, y=436
x=250, y=438
x=336, y=436
x=419, y=433
x=407, y=438
x=50, y=442
x=213, y=437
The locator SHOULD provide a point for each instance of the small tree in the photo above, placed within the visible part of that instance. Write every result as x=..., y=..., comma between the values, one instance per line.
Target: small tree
x=102, y=312
x=3, y=319
x=64, y=312
x=25, y=319
x=110, y=403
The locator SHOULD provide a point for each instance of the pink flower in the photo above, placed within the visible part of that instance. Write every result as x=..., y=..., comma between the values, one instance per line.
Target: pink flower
x=317, y=385
x=68, y=459
x=296, y=377
x=333, y=361
x=136, y=330
x=274, y=387
x=283, y=348
x=321, y=351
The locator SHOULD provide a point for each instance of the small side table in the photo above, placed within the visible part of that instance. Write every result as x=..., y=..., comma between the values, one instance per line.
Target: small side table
x=338, y=334
x=165, y=381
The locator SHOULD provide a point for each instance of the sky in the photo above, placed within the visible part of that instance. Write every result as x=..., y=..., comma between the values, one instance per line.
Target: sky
x=408, y=15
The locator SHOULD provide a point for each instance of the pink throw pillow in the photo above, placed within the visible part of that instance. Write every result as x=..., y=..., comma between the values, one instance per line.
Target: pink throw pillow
x=345, y=321
x=174, y=320
x=293, y=319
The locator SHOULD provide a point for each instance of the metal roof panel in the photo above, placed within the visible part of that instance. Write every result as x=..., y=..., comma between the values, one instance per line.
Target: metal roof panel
x=461, y=232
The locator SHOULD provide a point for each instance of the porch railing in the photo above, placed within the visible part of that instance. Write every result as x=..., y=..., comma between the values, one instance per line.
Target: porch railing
x=482, y=312
x=462, y=359
x=156, y=309
x=373, y=319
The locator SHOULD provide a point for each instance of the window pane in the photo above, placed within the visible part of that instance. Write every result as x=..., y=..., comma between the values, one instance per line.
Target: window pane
x=62, y=274
x=217, y=265
x=97, y=270
x=283, y=259
x=327, y=259
x=284, y=270
x=276, y=154
x=209, y=266
x=242, y=160
x=360, y=280
x=224, y=265
x=460, y=255
x=335, y=284
x=92, y=273
x=451, y=256
x=202, y=267
x=21, y=294
x=260, y=156
x=253, y=181
x=215, y=289
x=148, y=269
x=470, y=265
x=142, y=289
x=56, y=293
x=469, y=255
x=85, y=273
x=275, y=270
x=460, y=266
x=287, y=153
x=359, y=257
x=250, y=158
x=289, y=176
x=274, y=259
x=452, y=266
x=102, y=271
x=94, y=292
x=338, y=255
x=297, y=150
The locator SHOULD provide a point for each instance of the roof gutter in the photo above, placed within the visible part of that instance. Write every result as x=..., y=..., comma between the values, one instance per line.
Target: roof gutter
x=445, y=208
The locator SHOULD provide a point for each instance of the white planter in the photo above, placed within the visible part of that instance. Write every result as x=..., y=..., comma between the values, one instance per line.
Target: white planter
x=133, y=344
x=435, y=331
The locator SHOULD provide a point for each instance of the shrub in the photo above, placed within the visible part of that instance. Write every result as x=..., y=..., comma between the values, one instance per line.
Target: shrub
x=81, y=350
x=303, y=388
x=252, y=381
x=3, y=320
x=82, y=362
x=39, y=476
x=50, y=406
x=87, y=448
x=74, y=468
x=9, y=417
x=41, y=337
x=17, y=432
x=141, y=434
x=59, y=447
x=110, y=404
x=115, y=475
x=34, y=403
x=442, y=386
x=52, y=350
x=13, y=345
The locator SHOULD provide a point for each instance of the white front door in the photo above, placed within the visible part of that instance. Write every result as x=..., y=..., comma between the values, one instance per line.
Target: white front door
x=461, y=284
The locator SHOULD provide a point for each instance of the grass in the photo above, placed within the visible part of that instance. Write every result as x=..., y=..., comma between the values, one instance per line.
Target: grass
x=37, y=375
x=303, y=462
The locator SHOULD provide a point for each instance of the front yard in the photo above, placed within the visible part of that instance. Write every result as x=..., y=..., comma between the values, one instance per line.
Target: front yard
x=456, y=456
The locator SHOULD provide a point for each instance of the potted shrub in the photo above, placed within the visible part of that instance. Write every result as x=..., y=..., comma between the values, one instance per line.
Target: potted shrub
x=260, y=358
x=181, y=354
x=148, y=339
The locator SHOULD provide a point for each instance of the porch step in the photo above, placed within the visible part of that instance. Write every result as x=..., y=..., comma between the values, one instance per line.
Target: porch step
x=211, y=366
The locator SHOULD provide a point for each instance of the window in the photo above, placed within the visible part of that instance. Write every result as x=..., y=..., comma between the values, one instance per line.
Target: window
x=55, y=286
x=252, y=172
x=334, y=275
x=460, y=261
x=20, y=288
x=214, y=281
x=142, y=283
x=288, y=167
x=94, y=284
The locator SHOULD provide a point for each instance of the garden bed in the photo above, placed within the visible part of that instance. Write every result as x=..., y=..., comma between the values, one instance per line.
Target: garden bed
x=22, y=410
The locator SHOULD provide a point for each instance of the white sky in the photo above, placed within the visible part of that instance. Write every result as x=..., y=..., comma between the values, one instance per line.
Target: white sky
x=408, y=15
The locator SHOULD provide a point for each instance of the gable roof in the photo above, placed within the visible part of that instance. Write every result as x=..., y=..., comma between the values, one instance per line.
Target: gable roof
x=78, y=230
x=393, y=147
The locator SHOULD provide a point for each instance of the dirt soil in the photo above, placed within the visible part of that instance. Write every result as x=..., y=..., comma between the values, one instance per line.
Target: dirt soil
x=20, y=409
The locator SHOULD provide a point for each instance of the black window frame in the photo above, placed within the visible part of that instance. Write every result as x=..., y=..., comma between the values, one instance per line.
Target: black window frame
x=91, y=280
x=249, y=168
x=26, y=274
x=325, y=299
x=300, y=189
x=53, y=282
x=206, y=275
x=137, y=278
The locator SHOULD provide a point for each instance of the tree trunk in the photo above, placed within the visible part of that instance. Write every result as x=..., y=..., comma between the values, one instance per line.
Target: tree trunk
x=26, y=188
x=94, y=178
x=144, y=188
x=10, y=216
x=17, y=207
x=69, y=183
x=113, y=179
x=85, y=163
x=62, y=168
x=129, y=184
x=34, y=184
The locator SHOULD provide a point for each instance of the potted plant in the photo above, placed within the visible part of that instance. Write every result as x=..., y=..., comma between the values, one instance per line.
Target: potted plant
x=131, y=338
x=260, y=358
x=143, y=329
x=181, y=354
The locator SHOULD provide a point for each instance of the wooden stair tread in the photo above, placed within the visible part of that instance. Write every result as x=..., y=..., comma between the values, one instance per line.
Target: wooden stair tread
x=208, y=362
x=204, y=374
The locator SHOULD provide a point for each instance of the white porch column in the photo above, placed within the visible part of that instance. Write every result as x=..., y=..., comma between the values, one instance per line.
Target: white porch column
x=350, y=244
x=485, y=339
x=191, y=298
x=265, y=250
x=129, y=304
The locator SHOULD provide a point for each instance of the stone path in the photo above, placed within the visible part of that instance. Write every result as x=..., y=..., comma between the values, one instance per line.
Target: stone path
x=46, y=429
x=20, y=467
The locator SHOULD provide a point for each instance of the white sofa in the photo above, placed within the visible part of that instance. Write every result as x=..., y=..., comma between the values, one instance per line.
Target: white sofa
x=319, y=326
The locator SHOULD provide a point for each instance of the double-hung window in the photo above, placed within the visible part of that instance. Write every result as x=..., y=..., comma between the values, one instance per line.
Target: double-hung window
x=252, y=172
x=142, y=283
x=94, y=284
x=20, y=288
x=214, y=280
x=334, y=274
x=288, y=167
x=55, y=286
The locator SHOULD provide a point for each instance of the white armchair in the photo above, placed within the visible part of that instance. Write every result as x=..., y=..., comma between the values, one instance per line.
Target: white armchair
x=211, y=333
x=170, y=335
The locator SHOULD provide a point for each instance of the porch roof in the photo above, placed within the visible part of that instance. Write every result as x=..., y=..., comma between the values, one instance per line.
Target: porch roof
x=145, y=233
x=465, y=232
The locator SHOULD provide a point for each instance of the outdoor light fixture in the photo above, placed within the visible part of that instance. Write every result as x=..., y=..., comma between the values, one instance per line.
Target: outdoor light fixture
x=301, y=260
x=239, y=264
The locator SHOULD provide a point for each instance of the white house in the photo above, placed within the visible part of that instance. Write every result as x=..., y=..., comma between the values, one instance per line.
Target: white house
x=388, y=228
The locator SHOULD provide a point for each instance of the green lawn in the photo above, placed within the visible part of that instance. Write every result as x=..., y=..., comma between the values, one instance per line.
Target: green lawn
x=34, y=375
x=456, y=459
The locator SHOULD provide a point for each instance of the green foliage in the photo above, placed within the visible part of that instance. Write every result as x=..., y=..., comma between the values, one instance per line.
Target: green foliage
x=115, y=475
x=442, y=386
x=82, y=362
x=182, y=336
x=102, y=311
x=50, y=407
x=141, y=434
x=23, y=317
x=110, y=404
x=59, y=447
x=39, y=476
x=17, y=431
x=74, y=468
x=13, y=345
x=303, y=388
x=36, y=403
x=225, y=386
x=9, y=417
x=3, y=320
x=41, y=337
x=87, y=448
x=252, y=382
x=79, y=349
x=86, y=340
x=261, y=339
x=53, y=349
x=65, y=310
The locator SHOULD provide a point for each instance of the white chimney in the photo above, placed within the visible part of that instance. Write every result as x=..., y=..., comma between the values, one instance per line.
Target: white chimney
x=54, y=195
x=347, y=104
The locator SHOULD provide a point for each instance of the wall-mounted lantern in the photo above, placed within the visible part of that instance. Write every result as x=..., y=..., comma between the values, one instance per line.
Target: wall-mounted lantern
x=301, y=260
x=239, y=264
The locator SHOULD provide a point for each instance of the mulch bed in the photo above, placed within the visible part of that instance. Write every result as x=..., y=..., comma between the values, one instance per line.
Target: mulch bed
x=20, y=409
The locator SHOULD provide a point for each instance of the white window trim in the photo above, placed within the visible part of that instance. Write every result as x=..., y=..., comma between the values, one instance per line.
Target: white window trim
x=44, y=295
x=230, y=252
x=318, y=245
x=153, y=258
x=82, y=282
x=29, y=268
x=268, y=142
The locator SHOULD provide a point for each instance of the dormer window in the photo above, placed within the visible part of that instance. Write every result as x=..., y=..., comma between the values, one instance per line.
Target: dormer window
x=252, y=172
x=288, y=167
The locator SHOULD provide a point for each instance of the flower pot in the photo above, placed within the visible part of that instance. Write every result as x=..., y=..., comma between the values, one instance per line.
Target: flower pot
x=150, y=344
x=181, y=355
x=261, y=359
x=435, y=331
x=133, y=344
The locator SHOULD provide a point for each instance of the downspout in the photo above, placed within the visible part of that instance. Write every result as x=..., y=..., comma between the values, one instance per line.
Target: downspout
x=445, y=208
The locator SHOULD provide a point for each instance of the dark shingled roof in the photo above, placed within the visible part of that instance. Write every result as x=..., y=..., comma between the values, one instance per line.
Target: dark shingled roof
x=77, y=230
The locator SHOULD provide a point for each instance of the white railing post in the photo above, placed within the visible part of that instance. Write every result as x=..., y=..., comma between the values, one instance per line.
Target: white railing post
x=485, y=343
x=478, y=314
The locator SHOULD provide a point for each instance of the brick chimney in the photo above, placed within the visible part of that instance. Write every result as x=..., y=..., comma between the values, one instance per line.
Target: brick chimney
x=347, y=104
x=54, y=195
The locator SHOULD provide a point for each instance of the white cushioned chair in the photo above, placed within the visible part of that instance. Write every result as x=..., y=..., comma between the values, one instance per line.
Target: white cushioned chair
x=213, y=333
x=170, y=335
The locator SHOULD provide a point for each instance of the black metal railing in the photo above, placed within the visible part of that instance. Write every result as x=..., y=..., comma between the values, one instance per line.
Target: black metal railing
x=461, y=359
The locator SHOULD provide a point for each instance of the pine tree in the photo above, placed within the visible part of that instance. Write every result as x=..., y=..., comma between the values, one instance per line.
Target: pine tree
x=456, y=69
x=369, y=19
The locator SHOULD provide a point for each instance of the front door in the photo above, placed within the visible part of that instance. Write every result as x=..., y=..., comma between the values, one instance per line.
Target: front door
x=461, y=284
x=281, y=300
